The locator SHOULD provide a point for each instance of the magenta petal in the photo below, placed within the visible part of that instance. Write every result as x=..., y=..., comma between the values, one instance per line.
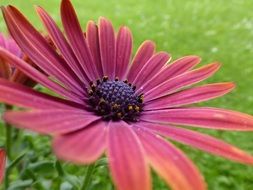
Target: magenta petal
x=190, y=96
x=143, y=54
x=201, y=141
x=38, y=49
x=150, y=69
x=84, y=146
x=76, y=39
x=9, y=44
x=126, y=158
x=107, y=47
x=36, y=75
x=124, y=45
x=170, y=163
x=214, y=118
x=172, y=70
x=62, y=44
x=93, y=43
x=181, y=81
x=2, y=164
x=56, y=121
x=19, y=95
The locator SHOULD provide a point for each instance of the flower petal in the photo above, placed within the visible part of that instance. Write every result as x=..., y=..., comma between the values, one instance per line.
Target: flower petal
x=183, y=80
x=56, y=121
x=124, y=45
x=59, y=40
x=9, y=44
x=84, y=146
x=202, y=142
x=126, y=158
x=107, y=47
x=2, y=164
x=5, y=69
x=172, y=70
x=19, y=95
x=76, y=39
x=38, y=49
x=93, y=43
x=36, y=75
x=143, y=54
x=190, y=96
x=214, y=118
x=150, y=69
x=170, y=163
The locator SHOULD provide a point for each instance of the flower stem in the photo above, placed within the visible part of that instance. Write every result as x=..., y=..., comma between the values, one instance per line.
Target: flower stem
x=87, y=178
x=59, y=168
x=8, y=147
x=8, y=140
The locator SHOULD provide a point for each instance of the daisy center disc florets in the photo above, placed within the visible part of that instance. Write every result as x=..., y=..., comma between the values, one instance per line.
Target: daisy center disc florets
x=115, y=99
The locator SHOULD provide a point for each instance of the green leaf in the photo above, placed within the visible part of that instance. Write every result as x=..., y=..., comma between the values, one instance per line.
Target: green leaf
x=20, y=184
x=42, y=167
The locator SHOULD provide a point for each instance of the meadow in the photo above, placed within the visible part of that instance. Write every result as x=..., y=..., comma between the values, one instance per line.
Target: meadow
x=214, y=30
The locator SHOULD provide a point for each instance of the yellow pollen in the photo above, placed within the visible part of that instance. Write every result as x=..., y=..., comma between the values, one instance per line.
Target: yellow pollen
x=130, y=107
x=119, y=115
x=137, y=108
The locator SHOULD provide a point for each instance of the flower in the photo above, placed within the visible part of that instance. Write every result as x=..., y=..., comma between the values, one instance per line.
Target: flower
x=106, y=105
x=8, y=72
x=2, y=164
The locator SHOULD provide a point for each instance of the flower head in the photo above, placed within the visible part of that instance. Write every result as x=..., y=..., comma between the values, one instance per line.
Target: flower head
x=6, y=70
x=111, y=104
x=2, y=164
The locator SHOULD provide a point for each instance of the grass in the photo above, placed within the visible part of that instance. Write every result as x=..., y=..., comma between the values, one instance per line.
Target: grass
x=215, y=30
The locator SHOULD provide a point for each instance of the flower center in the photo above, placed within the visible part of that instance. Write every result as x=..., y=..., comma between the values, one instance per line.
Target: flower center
x=115, y=100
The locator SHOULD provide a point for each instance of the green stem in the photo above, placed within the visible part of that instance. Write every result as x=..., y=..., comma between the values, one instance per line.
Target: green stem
x=59, y=168
x=87, y=178
x=8, y=146
x=8, y=141
x=6, y=178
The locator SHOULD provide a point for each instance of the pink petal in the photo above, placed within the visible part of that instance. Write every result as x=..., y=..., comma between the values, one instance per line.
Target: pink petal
x=20, y=95
x=38, y=49
x=36, y=75
x=9, y=44
x=143, y=54
x=190, y=96
x=84, y=146
x=183, y=80
x=214, y=118
x=76, y=39
x=59, y=40
x=93, y=43
x=170, y=163
x=56, y=121
x=2, y=164
x=174, y=69
x=124, y=45
x=150, y=69
x=107, y=47
x=202, y=142
x=126, y=158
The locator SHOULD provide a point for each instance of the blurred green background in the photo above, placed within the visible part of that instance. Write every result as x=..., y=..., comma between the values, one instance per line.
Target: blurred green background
x=216, y=30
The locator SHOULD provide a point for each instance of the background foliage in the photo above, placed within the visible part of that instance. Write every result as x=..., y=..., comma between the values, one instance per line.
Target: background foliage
x=213, y=29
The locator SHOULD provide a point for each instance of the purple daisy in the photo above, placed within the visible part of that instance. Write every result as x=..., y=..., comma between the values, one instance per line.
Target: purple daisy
x=111, y=104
